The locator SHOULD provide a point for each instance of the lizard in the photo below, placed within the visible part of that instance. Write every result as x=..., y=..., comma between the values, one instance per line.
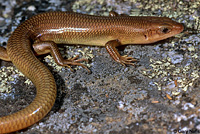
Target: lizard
x=40, y=35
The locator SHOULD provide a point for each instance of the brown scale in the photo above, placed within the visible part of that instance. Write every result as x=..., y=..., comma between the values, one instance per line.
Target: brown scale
x=49, y=29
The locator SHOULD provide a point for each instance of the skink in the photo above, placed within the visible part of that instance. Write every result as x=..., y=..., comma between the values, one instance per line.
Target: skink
x=40, y=34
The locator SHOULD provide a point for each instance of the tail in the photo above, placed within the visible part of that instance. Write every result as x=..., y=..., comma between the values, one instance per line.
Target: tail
x=20, y=53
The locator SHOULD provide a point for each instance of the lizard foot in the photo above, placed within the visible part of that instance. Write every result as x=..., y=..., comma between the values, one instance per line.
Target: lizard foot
x=124, y=60
x=75, y=61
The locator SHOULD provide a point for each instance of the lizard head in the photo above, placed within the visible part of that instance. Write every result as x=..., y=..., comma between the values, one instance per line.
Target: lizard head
x=162, y=28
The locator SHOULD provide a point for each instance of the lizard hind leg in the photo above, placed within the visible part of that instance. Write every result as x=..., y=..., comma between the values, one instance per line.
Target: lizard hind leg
x=46, y=47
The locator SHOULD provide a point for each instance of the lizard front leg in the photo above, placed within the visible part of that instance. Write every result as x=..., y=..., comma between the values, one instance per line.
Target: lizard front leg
x=111, y=48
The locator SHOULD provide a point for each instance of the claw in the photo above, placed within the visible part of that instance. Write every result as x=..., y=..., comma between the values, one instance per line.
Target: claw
x=126, y=60
x=70, y=68
x=75, y=61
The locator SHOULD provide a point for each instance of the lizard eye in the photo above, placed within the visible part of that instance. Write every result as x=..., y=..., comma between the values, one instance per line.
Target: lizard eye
x=165, y=30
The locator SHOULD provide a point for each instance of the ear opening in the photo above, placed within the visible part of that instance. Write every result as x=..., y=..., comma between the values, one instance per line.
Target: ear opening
x=145, y=36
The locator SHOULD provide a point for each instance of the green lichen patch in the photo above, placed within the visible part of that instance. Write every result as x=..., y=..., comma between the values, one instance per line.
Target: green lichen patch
x=8, y=75
x=171, y=78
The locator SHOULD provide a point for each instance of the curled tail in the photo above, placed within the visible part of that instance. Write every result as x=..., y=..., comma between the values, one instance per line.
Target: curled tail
x=20, y=53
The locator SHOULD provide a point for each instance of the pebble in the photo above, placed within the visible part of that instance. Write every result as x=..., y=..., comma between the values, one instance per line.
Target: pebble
x=2, y=22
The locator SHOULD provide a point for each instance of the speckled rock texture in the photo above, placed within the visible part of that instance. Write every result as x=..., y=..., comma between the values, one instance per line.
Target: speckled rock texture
x=158, y=95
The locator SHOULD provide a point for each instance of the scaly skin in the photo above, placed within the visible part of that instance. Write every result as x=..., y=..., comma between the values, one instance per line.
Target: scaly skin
x=48, y=29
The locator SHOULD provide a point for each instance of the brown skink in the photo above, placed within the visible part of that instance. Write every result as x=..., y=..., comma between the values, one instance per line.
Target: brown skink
x=40, y=34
